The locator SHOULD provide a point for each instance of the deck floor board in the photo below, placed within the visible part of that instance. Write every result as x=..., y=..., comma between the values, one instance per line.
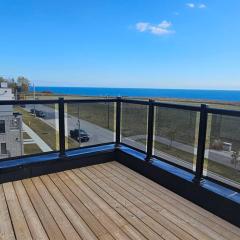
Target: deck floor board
x=106, y=201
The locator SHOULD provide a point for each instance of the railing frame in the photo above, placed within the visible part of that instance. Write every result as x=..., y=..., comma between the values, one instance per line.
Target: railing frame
x=150, y=131
x=118, y=121
x=202, y=132
x=204, y=111
x=61, y=118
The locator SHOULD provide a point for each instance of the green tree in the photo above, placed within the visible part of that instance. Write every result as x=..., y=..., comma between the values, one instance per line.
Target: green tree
x=10, y=81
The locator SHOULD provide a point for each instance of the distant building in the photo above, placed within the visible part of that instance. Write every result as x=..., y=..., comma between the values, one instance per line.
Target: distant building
x=11, y=139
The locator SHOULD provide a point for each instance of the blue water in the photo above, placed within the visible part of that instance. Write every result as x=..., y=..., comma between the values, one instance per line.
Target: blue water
x=148, y=93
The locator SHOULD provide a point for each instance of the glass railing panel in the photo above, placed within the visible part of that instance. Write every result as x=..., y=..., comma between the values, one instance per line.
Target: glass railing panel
x=88, y=124
x=28, y=129
x=176, y=135
x=134, y=125
x=222, y=155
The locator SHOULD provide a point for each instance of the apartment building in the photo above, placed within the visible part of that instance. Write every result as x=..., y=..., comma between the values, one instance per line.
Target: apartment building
x=11, y=139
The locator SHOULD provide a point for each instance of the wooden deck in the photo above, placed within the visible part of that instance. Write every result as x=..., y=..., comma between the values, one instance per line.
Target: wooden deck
x=106, y=201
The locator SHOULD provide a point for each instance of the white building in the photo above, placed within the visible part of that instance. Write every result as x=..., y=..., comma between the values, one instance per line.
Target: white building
x=11, y=139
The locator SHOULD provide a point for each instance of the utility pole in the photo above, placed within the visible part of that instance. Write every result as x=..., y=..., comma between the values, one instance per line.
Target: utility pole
x=34, y=98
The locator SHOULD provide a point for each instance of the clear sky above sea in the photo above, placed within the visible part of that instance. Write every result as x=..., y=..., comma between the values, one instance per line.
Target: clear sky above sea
x=137, y=43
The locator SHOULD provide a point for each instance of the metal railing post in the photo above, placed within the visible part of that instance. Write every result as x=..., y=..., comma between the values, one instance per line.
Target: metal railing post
x=61, y=118
x=201, y=144
x=118, y=121
x=150, y=130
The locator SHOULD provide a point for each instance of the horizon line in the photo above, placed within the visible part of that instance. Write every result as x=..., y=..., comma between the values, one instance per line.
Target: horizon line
x=149, y=88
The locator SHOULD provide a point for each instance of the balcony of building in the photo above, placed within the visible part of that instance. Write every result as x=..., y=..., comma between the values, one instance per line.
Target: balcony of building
x=121, y=169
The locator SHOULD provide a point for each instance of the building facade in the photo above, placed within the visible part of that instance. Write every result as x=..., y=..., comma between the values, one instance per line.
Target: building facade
x=11, y=138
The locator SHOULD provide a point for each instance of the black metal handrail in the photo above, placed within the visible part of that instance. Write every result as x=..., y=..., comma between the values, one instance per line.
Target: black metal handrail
x=204, y=111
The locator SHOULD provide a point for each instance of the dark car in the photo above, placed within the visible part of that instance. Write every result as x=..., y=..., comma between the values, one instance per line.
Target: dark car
x=84, y=137
x=38, y=113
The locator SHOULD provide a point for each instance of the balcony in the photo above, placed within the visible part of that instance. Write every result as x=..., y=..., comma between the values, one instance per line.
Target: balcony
x=149, y=170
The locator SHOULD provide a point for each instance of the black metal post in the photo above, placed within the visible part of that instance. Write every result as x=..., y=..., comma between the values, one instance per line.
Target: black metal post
x=150, y=130
x=118, y=121
x=61, y=118
x=201, y=144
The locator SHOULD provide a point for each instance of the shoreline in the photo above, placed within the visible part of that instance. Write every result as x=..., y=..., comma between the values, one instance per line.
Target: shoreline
x=44, y=95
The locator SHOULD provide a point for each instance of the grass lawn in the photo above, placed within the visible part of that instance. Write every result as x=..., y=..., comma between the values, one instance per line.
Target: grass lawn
x=217, y=168
x=101, y=114
x=26, y=136
x=182, y=125
x=31, y=149
x=188, y=157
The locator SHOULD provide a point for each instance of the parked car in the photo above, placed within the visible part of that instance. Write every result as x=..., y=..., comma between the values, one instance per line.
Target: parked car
x=38, y=113
x=84, y=137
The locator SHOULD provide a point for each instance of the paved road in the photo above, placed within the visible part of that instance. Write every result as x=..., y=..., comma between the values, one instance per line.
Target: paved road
x=96, y=133
x=222, y=157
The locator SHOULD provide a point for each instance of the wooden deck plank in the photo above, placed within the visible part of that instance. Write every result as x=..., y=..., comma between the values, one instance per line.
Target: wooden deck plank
x=34, y=224
x=170, y=211
x=106, y=237
x=103, y=218
x=100, y=215
x=136, y=207
x=123, y=212
x=45, y=216
x=116, y=221
x=6, y=228
x=88, y=217
x=62, y=221
x=106, y=202
x=19, y=223
x=76, y=220
x=172, y=226
x=131, y=218
x=191, y=217
x=187, y=206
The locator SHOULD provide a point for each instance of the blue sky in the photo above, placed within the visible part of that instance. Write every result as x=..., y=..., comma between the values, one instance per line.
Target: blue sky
x=136, y=43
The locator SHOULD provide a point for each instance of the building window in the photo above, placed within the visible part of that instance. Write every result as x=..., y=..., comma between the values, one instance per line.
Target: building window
x=3, y=148
x=2, y=126
x=14, y=123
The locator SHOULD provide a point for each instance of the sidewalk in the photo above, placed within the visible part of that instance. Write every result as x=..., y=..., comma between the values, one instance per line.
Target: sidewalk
x=41, y=144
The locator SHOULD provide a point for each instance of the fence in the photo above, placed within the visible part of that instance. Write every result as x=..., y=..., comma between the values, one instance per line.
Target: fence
x=200, y=139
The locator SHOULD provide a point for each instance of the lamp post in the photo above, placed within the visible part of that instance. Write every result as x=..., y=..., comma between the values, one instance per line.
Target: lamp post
x=34, y=97
x=108, y=113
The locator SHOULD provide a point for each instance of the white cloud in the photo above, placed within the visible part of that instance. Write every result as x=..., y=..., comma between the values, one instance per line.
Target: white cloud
x=160, y=29
x=165, y=24
x=190, y=5
x=202, y=6
x=193, y=5
x=142, y=26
